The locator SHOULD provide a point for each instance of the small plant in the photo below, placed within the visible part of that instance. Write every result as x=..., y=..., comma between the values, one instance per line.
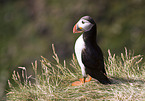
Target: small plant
x=54, y=81
x=53, y=76
x=128, y=65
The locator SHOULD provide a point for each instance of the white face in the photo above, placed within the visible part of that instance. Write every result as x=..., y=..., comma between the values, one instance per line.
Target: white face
x=84, y=25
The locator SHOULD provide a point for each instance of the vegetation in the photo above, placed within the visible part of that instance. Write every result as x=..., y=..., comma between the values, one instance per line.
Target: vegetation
x=28, y=27
x=54, y=83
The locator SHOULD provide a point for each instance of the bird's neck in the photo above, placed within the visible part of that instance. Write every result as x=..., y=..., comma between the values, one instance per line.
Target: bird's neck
x=90, y=36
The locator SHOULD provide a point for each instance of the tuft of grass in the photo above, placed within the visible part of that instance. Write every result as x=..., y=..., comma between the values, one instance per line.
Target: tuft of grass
x=54, y=83
x=127, y=65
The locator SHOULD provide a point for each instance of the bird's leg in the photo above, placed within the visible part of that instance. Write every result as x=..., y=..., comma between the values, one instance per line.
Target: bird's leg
x=82, y=81
x=77, y=83
x=85, y=79
x=89, y=79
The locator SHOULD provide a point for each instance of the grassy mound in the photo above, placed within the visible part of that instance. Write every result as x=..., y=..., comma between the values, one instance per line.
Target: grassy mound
x=54, y=83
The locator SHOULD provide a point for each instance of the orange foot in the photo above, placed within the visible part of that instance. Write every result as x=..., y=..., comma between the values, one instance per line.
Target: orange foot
x=78, y=83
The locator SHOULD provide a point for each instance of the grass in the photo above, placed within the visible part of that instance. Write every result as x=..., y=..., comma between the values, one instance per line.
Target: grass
x=127, y=73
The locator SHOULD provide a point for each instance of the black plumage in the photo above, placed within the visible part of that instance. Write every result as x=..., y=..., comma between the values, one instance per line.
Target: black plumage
x=92, y=57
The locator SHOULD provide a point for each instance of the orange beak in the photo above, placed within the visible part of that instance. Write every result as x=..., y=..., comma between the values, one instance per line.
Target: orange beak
x=75, y=29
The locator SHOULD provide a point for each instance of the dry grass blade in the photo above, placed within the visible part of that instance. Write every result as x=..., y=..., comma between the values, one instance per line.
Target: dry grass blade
x=55, y=55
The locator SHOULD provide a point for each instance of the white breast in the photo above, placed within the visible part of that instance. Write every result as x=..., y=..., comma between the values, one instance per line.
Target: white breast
x=79, y=46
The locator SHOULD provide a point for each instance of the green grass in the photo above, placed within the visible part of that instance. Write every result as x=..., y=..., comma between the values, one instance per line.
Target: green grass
x=127, y=73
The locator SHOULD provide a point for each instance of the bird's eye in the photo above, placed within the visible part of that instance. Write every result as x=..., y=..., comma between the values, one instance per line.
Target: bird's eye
x=83, y=22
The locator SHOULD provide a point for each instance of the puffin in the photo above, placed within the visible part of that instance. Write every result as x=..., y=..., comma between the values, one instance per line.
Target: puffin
x=89, y=55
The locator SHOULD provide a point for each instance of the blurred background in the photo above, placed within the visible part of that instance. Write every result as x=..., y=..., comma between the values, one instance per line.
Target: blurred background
x=29, y=27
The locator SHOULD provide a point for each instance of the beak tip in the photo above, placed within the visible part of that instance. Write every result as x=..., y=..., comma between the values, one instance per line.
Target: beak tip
x=74, y=29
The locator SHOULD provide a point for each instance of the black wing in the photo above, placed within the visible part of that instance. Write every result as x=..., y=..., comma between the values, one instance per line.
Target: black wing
x=92, y=58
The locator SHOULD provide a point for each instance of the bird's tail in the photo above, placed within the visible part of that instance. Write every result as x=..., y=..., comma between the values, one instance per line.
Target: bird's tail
x=102, y=78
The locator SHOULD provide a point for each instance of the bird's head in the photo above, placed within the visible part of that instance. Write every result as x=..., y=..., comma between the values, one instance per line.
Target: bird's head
x=83, y=25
